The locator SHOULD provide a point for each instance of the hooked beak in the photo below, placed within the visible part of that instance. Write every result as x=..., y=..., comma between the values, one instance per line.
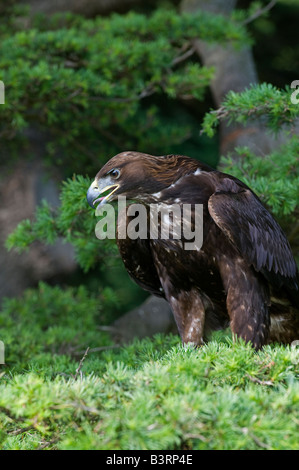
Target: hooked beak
x=100, y=187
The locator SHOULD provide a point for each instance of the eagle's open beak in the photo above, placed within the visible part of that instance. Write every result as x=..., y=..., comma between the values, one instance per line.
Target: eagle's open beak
x=96, y=189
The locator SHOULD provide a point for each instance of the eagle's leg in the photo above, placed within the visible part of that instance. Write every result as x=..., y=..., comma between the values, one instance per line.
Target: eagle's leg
x=247, y=302
x=187, y=303
x=189, y=313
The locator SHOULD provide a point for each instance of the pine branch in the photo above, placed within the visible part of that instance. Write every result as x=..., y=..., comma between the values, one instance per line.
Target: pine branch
x=260, y=12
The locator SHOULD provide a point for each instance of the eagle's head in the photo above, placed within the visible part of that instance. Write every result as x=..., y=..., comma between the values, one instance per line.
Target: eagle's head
x=138, y=176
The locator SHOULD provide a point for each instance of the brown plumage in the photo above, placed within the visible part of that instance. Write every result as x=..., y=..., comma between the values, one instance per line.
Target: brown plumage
x=244, y=274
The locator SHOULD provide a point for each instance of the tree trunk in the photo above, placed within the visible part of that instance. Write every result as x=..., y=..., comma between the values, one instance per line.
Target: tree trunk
x=234, y=70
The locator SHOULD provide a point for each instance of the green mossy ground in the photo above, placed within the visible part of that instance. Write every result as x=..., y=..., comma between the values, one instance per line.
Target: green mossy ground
x=147, y=395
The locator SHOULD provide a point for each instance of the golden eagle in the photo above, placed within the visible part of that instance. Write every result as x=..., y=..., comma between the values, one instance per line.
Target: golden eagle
x=243, y=275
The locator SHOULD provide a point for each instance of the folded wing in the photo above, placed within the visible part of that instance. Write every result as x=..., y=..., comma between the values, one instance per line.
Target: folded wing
x=255, y=233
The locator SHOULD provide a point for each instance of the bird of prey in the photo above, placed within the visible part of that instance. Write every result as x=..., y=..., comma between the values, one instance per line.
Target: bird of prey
x=243, y=274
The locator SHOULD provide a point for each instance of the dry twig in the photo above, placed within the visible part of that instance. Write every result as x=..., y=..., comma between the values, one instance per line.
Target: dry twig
x=78, y=371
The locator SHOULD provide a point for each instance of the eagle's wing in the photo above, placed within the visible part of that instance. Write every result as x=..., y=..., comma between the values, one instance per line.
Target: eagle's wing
x=256, y=235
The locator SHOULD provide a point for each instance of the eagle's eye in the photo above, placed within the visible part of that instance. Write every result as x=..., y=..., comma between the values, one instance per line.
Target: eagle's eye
x=115, y=173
